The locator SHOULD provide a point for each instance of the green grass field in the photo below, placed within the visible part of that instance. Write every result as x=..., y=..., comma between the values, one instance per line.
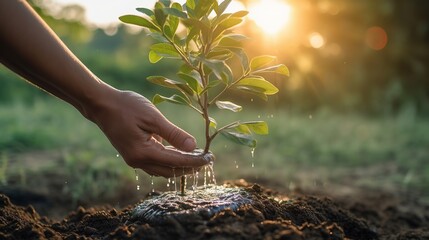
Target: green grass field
x=318, y=150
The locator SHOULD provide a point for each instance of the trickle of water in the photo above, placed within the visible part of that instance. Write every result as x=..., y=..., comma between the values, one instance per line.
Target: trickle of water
x=151, y=183
x=211, y=172
x=196, y=176
x=137, y=180
x=168, y=182
x=252, y=152
x=205, y=176
x=236, y=165
x=174, y=180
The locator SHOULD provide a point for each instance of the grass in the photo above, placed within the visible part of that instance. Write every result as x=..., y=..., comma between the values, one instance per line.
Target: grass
x=304, y=150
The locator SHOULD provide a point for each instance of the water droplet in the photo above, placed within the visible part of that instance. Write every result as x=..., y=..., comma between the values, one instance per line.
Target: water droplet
x=310, y=116
x=252, y=152
x=259, y=116
x=168, y=182
x=137, y=179
x=251, y=99
x=117, y=155
x=272, y=116
x=174, y=180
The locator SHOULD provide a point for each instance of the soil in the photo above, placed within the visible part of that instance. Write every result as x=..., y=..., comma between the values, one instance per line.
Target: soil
x=271, y=215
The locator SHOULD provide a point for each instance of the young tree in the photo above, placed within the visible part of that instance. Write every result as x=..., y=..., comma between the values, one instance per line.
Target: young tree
x=206, y=48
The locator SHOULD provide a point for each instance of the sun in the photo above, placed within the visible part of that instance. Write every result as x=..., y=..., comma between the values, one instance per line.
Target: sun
x=270, y=15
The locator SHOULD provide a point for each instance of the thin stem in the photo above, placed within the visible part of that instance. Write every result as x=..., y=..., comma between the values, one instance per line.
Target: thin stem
x=228, y=87
x=182, y=185
x=222, y=128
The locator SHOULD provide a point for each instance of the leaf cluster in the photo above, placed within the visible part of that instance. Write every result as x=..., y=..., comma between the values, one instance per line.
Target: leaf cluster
x=199, y=34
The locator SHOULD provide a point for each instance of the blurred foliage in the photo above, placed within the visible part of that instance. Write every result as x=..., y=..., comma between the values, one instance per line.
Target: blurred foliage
x=345, y=74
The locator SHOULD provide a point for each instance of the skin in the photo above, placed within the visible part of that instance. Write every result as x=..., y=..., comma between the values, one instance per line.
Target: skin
x=132, y=123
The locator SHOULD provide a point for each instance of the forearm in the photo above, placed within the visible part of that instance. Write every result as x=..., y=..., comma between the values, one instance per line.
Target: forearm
x=29, y=47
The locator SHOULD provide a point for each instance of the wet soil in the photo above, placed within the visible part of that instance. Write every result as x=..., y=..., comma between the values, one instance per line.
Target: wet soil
x=270, y=215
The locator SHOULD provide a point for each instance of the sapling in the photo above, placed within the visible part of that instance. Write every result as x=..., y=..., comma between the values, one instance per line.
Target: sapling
x=199, y=35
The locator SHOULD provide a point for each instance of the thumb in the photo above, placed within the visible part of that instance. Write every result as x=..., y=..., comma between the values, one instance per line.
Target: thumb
x=177, y=137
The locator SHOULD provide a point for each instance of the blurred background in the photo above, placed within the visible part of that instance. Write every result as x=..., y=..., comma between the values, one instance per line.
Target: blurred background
x=352, y=117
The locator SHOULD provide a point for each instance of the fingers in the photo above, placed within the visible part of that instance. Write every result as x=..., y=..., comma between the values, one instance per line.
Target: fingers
x=167, y=156
x=176, y=136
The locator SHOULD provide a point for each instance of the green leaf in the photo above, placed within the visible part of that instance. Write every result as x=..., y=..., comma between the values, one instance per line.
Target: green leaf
x=139, y=21
x=145, y=11
x=222, y=7
x=236, y=37
x=213, y=122
x=217, y=66
x=242, y=56
x=227, y=105
x=158, y=37
x=168, y=31
x=240, y=14
x=173, y=99
x=200, y=25
x=159, y=14
x=154, y=57
x=190, y=4
x=242, y=129
x=255, y=91
x=165, y=50
x=175, y=12
x=226, y=24
x=165, y=2
x=165, y=82
x=279, y=69
x=193, y=32
x=261, y=61
x=259, y=83
x=258, y=127
x=240, y=138
x=220, y=54
x=193, y=82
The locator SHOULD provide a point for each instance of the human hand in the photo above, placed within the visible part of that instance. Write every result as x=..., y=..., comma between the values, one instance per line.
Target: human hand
x=135, y=128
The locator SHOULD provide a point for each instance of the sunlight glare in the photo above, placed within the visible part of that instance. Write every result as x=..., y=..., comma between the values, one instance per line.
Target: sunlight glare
x=270, y=15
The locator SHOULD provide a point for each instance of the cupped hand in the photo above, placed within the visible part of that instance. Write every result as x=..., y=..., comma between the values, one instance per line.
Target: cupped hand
x=135, y=127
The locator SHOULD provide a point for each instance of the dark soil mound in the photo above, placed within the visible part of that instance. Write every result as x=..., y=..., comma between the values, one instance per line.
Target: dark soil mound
x=270, y=216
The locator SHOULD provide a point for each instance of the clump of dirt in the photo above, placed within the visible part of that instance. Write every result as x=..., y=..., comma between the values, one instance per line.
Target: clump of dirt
x=270, y=216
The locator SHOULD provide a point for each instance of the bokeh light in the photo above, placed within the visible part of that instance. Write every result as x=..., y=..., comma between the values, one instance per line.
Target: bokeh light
x=376, y=38
x=316, y=40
